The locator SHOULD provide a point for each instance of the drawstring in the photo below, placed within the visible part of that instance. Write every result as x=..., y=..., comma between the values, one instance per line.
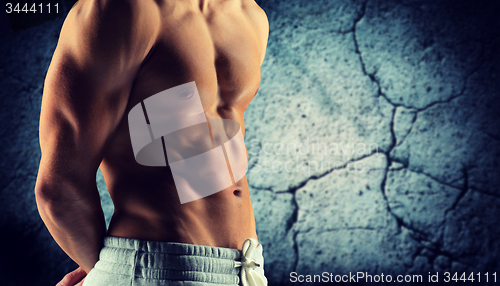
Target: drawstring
x=249, y=277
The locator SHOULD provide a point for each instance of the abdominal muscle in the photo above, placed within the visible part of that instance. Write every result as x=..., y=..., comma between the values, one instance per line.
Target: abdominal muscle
x=225, y=65
x=147, y=204
x=223, y=220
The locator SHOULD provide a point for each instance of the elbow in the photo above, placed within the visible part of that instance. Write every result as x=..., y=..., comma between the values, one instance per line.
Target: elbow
x=45, y=184
x=49, y=200
x=41, y=193
x=45, y=199
x=45, y=192
x=54, y=208
x=56, y=197
x=51, y=187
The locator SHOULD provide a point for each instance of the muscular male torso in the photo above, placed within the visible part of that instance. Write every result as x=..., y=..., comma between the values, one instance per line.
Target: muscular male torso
x=220, y=45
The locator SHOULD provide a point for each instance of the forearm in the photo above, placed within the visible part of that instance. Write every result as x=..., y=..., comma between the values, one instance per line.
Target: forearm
x=77, y=225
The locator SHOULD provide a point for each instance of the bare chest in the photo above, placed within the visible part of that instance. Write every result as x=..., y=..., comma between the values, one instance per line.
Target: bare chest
x=217, y=50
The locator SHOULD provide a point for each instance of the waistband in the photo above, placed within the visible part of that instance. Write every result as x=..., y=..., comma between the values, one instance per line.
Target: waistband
x=170, y=261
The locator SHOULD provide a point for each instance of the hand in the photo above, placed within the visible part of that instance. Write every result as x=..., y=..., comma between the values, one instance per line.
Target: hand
x=74, y=278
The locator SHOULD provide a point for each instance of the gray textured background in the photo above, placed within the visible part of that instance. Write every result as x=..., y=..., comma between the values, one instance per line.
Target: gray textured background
x=373, y=141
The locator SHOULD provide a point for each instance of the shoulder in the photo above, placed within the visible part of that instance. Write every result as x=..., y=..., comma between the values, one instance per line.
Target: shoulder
x=106, y=11
x=257, y=14
x=109, y=31
x=259, y=20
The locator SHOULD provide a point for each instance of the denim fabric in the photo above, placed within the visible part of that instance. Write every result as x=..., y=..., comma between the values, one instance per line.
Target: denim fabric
x=124, y=261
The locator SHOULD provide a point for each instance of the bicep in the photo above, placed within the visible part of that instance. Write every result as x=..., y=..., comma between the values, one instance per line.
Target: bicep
x=87, y=87
x=78, y=116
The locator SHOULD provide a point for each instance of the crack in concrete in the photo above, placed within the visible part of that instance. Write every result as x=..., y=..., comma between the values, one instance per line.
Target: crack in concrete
x=293, y=218
x=293, y=221
x=294, y=188
x=416, y=234
x=452, y=97
x=449, y=184
x=409, y=129
x=419, y=236
x=377, y=82
x=357, y=51
x=463, y=191
x=360, y=16
x=434, y=248
x=484, y=193
x=448, y=100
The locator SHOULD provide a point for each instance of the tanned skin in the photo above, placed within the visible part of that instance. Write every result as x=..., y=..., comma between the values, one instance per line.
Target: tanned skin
x=111, y=55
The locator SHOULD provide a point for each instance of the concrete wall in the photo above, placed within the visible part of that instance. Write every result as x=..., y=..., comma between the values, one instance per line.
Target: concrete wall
x=373, y=141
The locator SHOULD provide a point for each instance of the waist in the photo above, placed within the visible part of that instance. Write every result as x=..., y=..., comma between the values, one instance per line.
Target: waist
x=223, y=219
x=175, y=263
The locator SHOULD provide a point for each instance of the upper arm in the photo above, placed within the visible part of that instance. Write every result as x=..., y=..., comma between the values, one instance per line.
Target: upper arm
x=100, y=49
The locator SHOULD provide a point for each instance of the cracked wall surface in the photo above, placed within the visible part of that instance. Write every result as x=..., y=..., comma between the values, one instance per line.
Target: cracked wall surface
x=409, y=91
x=373, y=141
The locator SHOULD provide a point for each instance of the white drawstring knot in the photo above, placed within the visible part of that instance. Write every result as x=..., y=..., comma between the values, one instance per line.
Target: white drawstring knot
x=249, y=277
